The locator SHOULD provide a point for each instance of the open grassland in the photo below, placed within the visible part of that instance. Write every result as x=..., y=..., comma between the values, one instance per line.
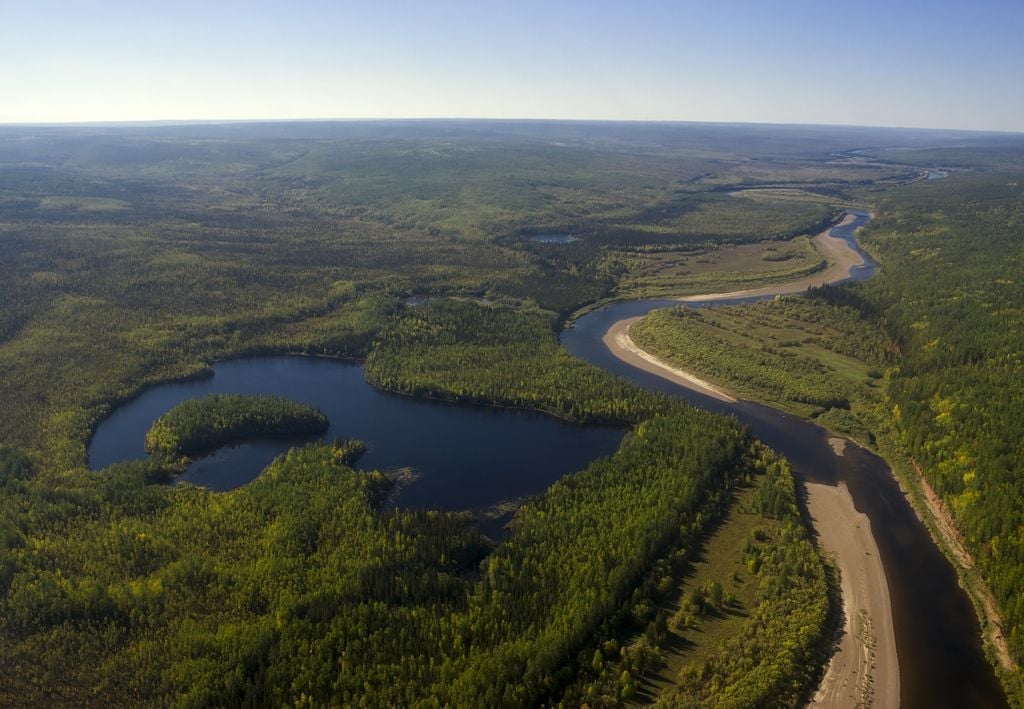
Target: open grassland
x=713, y=601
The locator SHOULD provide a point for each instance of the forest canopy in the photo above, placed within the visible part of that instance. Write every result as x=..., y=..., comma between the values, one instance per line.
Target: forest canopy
x=200, y=425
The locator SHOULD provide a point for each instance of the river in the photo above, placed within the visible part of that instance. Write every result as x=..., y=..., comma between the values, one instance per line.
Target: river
x=937, y=635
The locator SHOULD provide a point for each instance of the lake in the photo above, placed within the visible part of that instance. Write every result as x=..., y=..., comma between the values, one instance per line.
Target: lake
x=465, y=457
x=554, y=238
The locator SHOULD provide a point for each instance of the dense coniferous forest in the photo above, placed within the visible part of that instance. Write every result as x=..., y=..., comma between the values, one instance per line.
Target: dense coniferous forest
x=137, y=255
x=952, y=300
x=463, y=352
x=200, y=425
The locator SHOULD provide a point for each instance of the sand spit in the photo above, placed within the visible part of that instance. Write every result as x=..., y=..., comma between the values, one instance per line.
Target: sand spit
x=864, y=670
x=622, y=346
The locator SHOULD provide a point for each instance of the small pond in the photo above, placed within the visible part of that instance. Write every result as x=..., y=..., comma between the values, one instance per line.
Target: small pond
x=554, y=238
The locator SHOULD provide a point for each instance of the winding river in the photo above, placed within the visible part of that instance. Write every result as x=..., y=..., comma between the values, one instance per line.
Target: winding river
x=476, y=458
x=937, y=635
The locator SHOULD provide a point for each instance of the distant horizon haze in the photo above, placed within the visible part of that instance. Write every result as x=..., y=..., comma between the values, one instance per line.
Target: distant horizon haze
x=171, y=122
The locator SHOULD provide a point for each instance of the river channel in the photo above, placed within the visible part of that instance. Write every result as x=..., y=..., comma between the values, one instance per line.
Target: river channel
x=941, y=660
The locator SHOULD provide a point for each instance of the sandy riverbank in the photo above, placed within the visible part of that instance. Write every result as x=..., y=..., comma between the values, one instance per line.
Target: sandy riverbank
x=622, y=346
x=864, y=670
x=836, y=252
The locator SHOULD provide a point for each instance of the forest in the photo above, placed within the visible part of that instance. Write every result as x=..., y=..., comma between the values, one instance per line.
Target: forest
x=300, y=588
x=132, y=256
x=201, y=425
x=951, y=299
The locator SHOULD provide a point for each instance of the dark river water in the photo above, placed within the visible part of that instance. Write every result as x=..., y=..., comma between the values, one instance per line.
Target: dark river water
x=942, y=663
x=464, y=457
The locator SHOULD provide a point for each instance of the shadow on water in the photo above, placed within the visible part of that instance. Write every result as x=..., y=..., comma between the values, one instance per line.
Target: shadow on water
x=942, y=663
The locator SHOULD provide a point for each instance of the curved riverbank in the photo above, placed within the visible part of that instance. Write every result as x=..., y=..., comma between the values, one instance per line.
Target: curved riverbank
x=924, y=646
x=864, y=669
x=838, y=253
x=622, y=346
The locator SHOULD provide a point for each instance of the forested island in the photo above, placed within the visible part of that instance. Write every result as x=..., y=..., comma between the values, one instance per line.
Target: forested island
x=201, y=425
x=679, y=569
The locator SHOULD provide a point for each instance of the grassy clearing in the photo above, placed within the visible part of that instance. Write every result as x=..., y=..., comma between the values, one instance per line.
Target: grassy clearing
x=728, y=620
x=692, y=637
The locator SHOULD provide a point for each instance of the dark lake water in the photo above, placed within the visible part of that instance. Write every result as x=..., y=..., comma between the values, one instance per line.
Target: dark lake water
x=466, y=457
x=942, y=663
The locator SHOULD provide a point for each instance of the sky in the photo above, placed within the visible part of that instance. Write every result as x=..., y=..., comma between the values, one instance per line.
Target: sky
x=934, y=64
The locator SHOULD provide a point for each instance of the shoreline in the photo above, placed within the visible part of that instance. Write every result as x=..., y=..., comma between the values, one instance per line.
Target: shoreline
x=622, y=346
x=864, y=669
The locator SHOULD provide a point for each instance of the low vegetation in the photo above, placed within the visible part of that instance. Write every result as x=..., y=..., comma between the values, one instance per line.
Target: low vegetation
x=665, y=272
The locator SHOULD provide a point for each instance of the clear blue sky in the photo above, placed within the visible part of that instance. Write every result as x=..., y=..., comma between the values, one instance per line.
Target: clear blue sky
x=941, y=63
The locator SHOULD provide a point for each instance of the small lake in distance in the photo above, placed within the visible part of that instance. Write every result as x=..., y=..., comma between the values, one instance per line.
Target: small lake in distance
x=554, y=238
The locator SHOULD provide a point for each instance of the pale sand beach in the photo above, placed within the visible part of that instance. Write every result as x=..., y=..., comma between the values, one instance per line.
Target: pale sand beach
x=864, y=671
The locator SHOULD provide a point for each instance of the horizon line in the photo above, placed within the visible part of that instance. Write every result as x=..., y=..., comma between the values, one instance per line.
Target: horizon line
x=169, y=122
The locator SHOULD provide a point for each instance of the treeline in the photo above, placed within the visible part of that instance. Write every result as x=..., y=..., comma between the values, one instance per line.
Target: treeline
x=203, y=424
x=951, y=297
